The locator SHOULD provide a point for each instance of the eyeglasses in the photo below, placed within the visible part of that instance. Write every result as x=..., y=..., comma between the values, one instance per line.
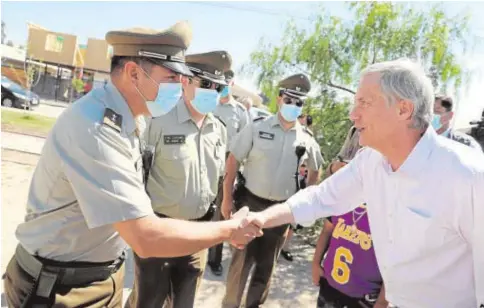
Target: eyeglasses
x=294, y=101
x=207, y=84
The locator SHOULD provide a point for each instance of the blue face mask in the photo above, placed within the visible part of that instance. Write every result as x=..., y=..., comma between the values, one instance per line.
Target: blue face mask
x=225, y=92
x=205, y=100
x=436, y=122
x=290, y=112
x=167, y=97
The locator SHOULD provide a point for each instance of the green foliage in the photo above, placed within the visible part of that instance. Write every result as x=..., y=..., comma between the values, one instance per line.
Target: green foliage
x=332, y=52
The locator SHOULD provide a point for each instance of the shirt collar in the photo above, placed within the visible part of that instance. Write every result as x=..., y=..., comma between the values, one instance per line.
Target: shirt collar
x=275, y=121
x=119, y=105
x=446, y=133
x=419, y=156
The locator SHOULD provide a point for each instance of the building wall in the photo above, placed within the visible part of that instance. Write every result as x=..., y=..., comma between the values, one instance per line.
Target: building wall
x=97, y=56
x=51, y=47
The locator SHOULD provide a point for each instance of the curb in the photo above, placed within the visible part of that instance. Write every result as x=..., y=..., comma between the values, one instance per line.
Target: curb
x=55, y=104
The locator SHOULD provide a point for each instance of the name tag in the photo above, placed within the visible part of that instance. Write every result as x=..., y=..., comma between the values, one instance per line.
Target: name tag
x=174, y=139
x=265, y=135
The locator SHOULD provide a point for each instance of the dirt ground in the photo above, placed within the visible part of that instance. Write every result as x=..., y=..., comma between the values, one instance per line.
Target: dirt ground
x=291, y=284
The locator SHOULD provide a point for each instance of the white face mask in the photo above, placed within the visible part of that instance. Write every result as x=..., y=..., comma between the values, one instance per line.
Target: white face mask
x=205, y=100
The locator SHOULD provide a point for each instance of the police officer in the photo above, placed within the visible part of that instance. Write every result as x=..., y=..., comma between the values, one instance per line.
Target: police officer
x=190, y=145
x=87, y=198
x=443, y=114
x=236, y=116
x=273, y=148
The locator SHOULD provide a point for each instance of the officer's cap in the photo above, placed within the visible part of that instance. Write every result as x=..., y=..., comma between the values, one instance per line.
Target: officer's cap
x=166, y=47
x=296, y=85
x=210, y=65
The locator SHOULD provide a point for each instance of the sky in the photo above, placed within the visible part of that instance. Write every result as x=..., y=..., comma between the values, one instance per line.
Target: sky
x=233, y=26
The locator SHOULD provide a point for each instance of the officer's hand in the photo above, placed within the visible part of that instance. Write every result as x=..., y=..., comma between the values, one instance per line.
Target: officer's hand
x=246, y=228
x=226, y=207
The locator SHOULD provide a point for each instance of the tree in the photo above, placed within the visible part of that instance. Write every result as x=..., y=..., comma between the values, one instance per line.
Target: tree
x=4, y=33
x=332, y=52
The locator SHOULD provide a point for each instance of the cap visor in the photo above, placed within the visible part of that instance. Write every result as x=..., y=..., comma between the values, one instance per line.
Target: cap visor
x=177, y=67
x=218, y=81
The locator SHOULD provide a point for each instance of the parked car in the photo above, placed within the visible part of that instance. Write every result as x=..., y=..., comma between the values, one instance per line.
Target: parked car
x=15, y=95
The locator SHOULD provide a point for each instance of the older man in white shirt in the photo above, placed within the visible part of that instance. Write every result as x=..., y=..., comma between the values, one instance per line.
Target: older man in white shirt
x=424, y=194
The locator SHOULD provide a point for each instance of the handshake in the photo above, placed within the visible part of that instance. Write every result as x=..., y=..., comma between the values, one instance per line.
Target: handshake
x=245, y=227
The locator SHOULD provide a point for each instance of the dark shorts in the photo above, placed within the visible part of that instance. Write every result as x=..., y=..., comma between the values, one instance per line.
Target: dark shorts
x=329, y=297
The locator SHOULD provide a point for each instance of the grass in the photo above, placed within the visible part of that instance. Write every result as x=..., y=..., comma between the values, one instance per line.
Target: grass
x=23, y=122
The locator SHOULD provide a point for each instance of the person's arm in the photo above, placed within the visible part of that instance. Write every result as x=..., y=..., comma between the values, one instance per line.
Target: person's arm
x=239, y=150
x=151, y=236
x=321, y=245
x=381, y=302
x=228, y=184
x=336, y=195
x=314, y=163
x=108, y=186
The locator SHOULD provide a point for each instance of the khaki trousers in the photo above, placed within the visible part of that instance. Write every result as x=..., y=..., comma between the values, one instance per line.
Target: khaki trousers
x=106, y=293
x=174, y=280
x=262, y=253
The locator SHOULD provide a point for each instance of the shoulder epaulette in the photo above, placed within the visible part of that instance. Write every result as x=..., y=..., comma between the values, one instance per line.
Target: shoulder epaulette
x=112, y=119
x=222, y=121
x=258, y=119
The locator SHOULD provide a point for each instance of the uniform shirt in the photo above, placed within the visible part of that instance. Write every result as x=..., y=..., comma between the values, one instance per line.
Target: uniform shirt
x=188, y=162
x=89, y=176
x=350, y=264
x=271, y=161
x=235, y=116
x=425, y=219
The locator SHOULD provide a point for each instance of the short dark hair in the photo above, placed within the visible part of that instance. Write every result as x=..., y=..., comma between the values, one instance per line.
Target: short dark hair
x=309, y=120
x=446, y=101
x=118, y=62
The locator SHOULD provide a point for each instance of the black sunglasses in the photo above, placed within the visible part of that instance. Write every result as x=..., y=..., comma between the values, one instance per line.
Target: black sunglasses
x=295, y=101
x=207, y=84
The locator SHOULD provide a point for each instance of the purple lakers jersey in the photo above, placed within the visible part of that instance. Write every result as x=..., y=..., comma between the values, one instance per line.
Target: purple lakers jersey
x=350, y=264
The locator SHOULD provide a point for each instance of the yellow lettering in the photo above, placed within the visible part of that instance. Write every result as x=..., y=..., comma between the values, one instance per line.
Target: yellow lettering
x=338, y=230
x=365, y=241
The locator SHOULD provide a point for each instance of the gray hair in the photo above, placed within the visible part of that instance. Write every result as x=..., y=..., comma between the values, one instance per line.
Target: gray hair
x=405, y=79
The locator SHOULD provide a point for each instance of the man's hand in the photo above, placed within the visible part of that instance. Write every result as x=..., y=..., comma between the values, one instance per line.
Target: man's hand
x=246, y=228
x=317, y=272
x=227, y=207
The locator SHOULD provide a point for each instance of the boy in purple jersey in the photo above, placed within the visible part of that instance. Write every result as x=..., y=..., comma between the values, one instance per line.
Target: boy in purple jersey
x=348, y=276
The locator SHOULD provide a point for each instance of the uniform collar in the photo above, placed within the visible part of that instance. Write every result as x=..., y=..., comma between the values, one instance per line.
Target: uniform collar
x=183, y=113
x=275, y=121
x=419, y=156
x=446, y=133
x=119, y=105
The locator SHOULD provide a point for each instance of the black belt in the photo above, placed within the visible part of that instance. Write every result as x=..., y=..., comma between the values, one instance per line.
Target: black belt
x=207, y=217
x=260, y=199
x=47, y=273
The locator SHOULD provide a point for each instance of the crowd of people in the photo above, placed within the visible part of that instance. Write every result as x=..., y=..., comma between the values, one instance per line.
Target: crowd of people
x=164, y=160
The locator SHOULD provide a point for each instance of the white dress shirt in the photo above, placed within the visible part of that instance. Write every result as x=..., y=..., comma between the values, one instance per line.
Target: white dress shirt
x=426, y=219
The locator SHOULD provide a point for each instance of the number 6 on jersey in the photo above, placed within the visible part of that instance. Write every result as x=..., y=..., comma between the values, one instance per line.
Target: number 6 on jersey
x=341, y=271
